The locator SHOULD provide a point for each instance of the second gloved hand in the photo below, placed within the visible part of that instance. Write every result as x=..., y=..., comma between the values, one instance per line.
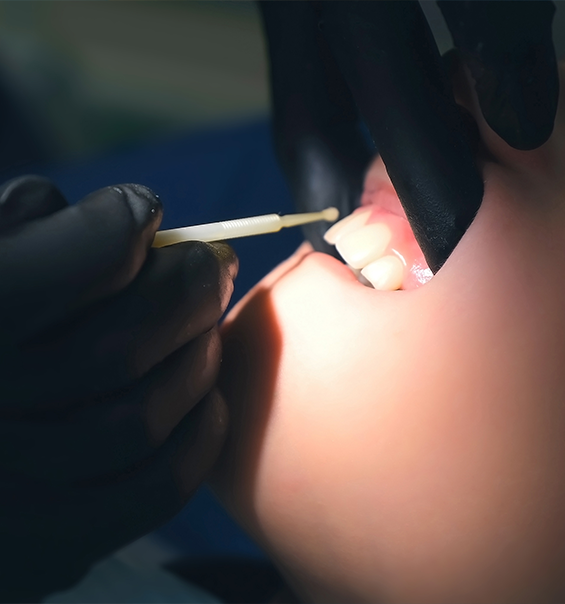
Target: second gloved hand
x=109, y=352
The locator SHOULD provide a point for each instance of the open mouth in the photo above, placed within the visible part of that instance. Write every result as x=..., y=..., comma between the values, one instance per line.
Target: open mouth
x=377, y=242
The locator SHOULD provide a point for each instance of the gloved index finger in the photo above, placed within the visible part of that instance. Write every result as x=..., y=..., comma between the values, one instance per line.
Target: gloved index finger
x=53, y=266
x=389, y=59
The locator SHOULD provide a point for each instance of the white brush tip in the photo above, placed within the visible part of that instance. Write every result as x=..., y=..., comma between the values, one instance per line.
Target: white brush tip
x=330, y=214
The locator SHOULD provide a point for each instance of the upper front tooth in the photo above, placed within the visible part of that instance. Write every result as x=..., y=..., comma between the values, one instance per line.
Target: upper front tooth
x=346, y=225
x=365, y=244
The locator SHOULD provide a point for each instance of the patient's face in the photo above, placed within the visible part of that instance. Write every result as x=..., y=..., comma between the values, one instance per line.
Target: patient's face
x=410, y=445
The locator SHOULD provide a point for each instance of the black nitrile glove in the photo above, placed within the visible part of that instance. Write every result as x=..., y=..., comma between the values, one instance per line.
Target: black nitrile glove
x=108, y=359
x=508, y=48
x=334, y=61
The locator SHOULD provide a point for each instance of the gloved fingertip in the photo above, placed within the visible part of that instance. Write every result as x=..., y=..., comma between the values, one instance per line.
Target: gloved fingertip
x=27, y=198
x=227, y=257
x=524, y=113
x=146, y=207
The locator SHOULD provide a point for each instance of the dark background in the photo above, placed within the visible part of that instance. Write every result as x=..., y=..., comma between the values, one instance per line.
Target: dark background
x=89, y=76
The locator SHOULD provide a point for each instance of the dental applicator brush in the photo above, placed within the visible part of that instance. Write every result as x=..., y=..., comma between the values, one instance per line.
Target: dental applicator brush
x=241, y=227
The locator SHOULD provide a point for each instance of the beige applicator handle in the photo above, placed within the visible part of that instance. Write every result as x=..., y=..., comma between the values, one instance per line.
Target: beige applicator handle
x=241, y=227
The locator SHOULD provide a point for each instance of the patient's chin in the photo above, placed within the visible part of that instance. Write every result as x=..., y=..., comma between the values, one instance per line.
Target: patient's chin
x=407, y=445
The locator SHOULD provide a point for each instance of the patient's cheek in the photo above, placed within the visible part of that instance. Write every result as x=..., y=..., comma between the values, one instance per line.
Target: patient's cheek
x=393, y=444
x=408, y=446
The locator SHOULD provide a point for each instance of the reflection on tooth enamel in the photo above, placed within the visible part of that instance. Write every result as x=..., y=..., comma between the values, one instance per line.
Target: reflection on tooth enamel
x=364, y=245
x=385, y=274
x=346, y=225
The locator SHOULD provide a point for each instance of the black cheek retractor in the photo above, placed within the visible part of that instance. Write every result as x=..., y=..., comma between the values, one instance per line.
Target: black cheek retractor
x=388, y=56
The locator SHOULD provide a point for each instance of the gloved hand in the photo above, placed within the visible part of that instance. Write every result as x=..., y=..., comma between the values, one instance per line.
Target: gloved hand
x=109, y=352
x=333, y=63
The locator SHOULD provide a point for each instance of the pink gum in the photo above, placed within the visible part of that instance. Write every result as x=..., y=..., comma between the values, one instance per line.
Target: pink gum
x=386, y=209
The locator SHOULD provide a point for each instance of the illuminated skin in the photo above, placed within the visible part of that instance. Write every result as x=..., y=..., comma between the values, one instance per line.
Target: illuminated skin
x=409, y=446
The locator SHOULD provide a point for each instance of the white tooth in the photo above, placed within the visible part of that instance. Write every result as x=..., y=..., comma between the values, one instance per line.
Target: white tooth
x=364, y=245
x=346, y=225
x=385, y=274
